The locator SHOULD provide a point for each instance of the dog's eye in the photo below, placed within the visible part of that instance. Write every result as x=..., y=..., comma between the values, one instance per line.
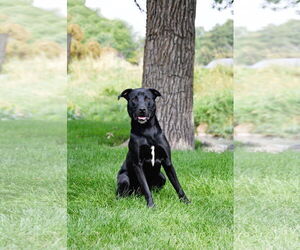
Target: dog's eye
x=133, y=102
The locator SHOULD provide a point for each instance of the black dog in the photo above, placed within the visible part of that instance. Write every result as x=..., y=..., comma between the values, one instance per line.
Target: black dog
x=148, y=149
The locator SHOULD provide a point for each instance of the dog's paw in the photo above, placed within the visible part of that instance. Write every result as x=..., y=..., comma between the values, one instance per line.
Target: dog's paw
x=150, y=205
x=185, y=200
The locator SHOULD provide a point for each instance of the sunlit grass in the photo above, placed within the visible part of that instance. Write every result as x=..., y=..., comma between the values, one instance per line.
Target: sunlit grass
x=33, y=185
x=266, y=200
x=98, y=220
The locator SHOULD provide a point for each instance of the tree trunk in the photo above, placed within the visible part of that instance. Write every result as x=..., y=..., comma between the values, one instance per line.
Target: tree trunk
x=3, y=42
x=69, y=40
x=169, y=65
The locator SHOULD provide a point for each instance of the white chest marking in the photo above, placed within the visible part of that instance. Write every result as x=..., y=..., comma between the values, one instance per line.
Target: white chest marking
x=153, y=155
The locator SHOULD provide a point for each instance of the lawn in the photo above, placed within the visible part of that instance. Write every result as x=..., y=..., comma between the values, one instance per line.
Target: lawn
x=33, y=185
x=96, y=219
x=262, y=191
x=266, y=200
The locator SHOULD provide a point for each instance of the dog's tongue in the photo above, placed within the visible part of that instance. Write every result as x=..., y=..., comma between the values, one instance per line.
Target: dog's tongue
x=142, y=118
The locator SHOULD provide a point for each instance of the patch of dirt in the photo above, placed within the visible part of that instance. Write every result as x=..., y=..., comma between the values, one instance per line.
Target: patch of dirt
x=245, y=138
x=271, y=144
x=250, y=142
x=243, y=129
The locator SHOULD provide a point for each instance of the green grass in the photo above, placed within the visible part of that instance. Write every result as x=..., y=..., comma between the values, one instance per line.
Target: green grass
x=98, y=220
x=109, y=133
x=264, y=196
x=262, y=191
x=266, y=200
x=33, y=185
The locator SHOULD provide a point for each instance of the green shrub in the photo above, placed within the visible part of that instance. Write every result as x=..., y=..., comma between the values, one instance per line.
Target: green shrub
x=73, y=112
x=93, y=49
x=15, y=31
x=19, y=49
x=11, y=112
x=116, y=34
x=75, y=31
x=48, y=48
x=217, y=112
x=213, y=99
x=29, y=23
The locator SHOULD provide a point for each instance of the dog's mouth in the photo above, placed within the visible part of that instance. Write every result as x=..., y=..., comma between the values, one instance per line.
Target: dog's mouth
x=142, y=119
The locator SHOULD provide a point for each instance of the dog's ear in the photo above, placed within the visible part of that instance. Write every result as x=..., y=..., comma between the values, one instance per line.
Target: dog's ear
x=125, y=94
x=155, y=93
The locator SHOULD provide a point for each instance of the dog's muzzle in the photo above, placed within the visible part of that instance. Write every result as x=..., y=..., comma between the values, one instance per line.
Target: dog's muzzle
x=142, y=119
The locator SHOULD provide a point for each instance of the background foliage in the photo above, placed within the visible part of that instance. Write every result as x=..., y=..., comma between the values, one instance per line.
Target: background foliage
x=273, y=41
x=96, y=79
x=217, y=43
x=116, y=34
x=29, y=30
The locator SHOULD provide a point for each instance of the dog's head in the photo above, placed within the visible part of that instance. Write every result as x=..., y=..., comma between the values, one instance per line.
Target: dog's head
x=141, y=103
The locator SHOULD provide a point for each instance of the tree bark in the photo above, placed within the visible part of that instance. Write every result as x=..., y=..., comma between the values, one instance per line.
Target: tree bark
x=169, y=66
x=3, y=42
x=69, y=40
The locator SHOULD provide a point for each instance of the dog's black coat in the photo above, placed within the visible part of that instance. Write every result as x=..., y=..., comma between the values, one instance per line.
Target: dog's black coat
x=137, y=174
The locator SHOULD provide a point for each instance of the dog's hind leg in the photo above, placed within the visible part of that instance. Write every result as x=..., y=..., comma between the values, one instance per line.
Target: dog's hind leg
x=123, y=185
x=162, y=180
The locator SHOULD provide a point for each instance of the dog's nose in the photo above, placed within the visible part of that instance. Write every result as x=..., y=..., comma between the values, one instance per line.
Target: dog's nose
x=142, y=110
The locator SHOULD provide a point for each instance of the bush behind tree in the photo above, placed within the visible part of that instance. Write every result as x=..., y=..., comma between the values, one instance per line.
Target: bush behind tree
x=213, y=44
x=108, y=33
x=273, y=41
x=29, y=31
x=41, y=24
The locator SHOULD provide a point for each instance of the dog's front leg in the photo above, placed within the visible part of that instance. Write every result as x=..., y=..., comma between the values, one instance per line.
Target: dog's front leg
x=138, y=169
x=170, y=171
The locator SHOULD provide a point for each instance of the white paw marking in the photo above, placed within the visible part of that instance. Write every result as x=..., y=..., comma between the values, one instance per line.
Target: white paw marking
x=153, y=155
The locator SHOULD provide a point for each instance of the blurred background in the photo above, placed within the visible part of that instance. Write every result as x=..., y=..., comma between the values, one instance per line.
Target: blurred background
x=107, y=57
x=102, y=46
x=267, y=125
x=107, y=54
x=33, y=147
x=266, y=75
x=33, y=74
